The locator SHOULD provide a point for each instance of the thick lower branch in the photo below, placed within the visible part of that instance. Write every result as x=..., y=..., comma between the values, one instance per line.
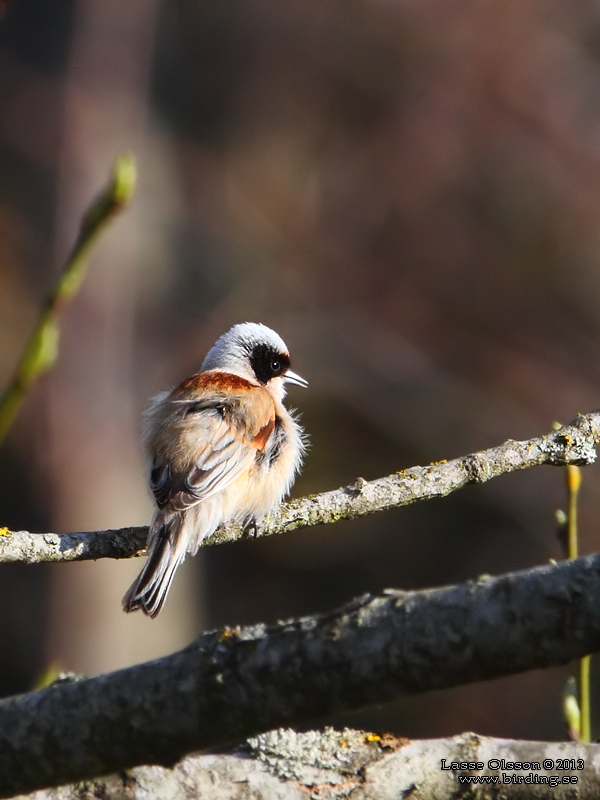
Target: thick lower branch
x=285, y=765
x=572, y=444
x=234, y=683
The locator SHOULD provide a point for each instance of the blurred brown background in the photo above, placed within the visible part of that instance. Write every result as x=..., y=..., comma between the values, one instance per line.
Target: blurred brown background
x=408, y=192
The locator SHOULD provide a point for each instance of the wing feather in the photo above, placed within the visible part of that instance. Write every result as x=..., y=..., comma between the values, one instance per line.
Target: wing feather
x=226, y=437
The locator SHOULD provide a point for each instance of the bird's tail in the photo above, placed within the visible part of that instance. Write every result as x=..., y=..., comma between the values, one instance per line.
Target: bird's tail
x=168, y=546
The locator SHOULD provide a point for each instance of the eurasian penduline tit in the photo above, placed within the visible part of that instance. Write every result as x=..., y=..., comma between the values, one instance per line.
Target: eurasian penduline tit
x=222, y=448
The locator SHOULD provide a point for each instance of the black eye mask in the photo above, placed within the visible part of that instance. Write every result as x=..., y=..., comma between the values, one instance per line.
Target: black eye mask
x=267, y=362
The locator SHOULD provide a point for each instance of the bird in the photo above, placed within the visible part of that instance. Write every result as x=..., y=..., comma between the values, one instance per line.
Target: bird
x=222, y=448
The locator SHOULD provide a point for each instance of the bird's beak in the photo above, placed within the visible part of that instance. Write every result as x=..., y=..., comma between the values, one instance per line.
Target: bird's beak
x=291, y=377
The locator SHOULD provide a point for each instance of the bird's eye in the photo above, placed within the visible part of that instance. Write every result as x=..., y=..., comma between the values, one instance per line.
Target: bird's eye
x=266, y=361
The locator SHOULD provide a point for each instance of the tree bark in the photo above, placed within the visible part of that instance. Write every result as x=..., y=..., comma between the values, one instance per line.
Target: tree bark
x=328, y=764
x=233, y=683
x=572, y=444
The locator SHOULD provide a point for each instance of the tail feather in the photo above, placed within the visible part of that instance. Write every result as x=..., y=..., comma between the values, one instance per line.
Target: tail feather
x=168, y=546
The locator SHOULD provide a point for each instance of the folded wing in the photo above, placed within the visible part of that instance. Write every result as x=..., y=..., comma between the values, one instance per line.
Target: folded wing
x=212, y=441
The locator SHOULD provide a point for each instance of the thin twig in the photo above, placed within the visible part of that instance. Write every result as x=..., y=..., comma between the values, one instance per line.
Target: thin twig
x=573, y=486
x=41, y=351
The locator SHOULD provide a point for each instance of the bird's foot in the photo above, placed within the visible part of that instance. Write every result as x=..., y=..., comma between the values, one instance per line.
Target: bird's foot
x=250, y=529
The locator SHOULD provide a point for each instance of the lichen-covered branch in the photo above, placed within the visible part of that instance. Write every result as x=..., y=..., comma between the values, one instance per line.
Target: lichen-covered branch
x=571, y=444
x=285, y=765
x=22, y=547
x=234, y=683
